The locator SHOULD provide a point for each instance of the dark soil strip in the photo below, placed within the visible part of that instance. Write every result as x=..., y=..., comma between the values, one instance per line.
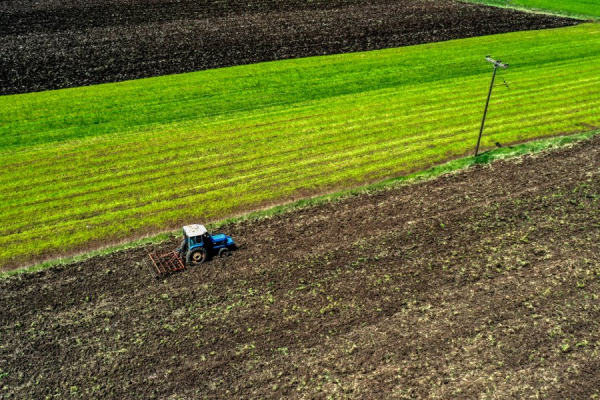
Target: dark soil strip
x=479, y=283
x=68, y=43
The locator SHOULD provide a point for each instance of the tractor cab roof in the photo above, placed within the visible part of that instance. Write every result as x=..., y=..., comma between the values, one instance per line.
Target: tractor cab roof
x=194, y=230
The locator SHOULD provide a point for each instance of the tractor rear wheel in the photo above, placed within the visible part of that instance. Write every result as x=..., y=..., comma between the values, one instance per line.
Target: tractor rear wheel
x=196, y=256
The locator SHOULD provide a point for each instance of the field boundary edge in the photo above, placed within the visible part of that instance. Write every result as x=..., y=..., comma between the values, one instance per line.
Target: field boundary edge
x=509, y=152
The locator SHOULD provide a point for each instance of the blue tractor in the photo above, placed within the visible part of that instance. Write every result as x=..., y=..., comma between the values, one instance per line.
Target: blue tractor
x=198, y=245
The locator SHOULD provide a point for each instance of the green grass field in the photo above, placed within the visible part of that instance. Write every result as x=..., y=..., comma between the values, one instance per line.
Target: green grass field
x=587, y=9
x=95, y=165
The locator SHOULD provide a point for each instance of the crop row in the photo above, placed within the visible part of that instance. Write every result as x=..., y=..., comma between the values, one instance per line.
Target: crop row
x=360, y=126
x=341, y=128
x=233, y=95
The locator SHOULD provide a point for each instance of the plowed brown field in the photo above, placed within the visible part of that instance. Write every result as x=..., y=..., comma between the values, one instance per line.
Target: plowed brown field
x=66, y=43
x=482, y=283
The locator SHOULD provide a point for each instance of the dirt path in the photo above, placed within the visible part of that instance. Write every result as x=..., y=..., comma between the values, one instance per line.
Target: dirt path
x=482, y=283
x=67, y=43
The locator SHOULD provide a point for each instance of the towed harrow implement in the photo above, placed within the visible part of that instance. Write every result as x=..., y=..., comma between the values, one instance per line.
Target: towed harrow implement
x=164, y=264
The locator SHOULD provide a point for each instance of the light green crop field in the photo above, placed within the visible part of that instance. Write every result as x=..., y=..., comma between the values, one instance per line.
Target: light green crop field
x=96, y=165
x=587, y=9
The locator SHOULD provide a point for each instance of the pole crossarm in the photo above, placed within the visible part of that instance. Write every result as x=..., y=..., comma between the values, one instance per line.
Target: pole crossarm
x=497, y=64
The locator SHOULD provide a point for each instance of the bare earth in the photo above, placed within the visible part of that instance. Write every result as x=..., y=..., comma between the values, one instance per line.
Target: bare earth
x=482, y=283
x=55, y=44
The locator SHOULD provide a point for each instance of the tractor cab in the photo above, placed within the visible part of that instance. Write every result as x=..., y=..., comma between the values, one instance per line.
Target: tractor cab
x=194, y=235
x=198, y=244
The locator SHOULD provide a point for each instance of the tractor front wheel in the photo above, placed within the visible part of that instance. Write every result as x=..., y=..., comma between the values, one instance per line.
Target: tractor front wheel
x=196, y=256
x=224, y=252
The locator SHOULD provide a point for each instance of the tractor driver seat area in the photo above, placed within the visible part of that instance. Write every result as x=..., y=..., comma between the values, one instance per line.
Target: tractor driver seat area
x=207, y=240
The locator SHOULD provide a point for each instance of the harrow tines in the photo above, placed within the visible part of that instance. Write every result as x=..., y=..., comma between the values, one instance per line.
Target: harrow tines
x=165, y=264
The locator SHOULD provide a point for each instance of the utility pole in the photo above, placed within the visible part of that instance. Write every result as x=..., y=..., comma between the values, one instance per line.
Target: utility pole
x=496, y=65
